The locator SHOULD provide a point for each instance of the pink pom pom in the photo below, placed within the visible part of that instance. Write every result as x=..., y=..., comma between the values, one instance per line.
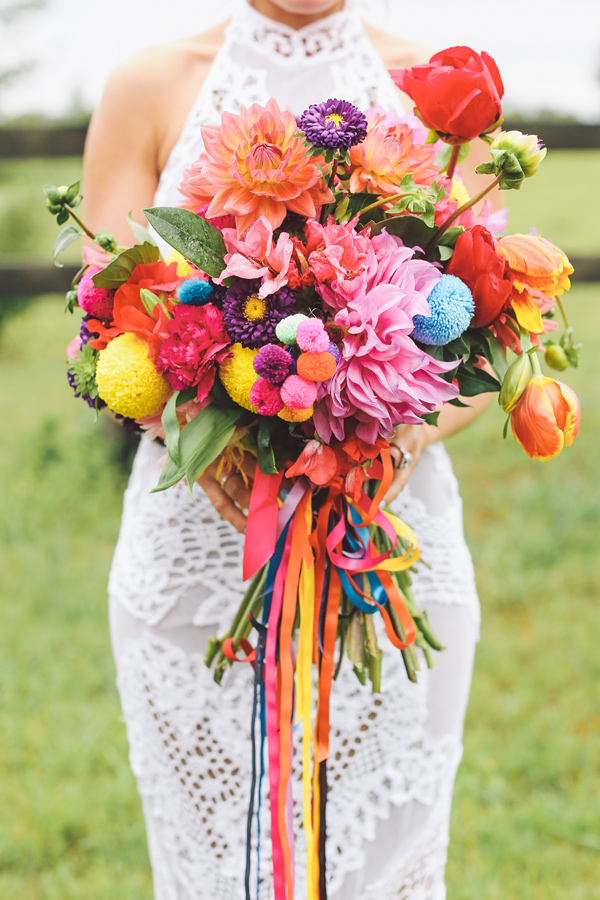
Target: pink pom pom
x=312, y=337
x=298, y=393
x=97, y=302
x=73, y=348
x=266, y=397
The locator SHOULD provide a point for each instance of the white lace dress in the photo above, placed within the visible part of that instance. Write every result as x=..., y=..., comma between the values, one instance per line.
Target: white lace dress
x=176, y=579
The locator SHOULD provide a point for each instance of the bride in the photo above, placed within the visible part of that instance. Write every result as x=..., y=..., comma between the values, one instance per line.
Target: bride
x=176, y=575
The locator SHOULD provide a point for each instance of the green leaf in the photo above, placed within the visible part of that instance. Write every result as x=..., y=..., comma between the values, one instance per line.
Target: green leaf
x=266, y=456
x=200, y=442
x=412, y=229
x=495, y=354
x=118, y=271
x=71, y=301
x=72, y=196
x=62, y=217
x=170, y=422
x=140, y=233
x=431, y=418
x=193, y=236
x=459, y=403
x=450, y=237
x=444, y=253
x=476, y=382
x=65, y=237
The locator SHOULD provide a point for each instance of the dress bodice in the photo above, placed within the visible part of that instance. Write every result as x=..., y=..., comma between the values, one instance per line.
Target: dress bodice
x=261, y=58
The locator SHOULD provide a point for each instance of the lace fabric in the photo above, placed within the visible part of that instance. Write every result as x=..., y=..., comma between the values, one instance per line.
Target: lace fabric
x=176, y=579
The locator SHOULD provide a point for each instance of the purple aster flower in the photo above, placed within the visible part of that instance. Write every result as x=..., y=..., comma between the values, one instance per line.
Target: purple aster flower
x=251, y=320
x=333, y=125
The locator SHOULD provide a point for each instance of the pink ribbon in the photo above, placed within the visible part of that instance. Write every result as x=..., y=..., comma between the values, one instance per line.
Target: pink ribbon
x=261, y=529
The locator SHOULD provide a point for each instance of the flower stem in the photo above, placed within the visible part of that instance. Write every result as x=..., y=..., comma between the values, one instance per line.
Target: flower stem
x=461, y=209
x=382, y=201
x=331, y=179
x=81, y=224
x=453, y=160
x=563, y=311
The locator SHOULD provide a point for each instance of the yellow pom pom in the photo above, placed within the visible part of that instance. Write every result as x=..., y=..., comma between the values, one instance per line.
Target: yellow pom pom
x=295, y=415
x=459, y=192
x=238, y=375
x=127, y=380
x=184, y=268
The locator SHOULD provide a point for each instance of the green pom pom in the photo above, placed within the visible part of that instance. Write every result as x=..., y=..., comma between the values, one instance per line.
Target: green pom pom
x=287, y=328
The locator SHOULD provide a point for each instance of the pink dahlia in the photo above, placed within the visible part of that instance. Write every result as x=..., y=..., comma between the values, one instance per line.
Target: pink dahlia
x=336, y=254
x=257, y=255
x=383, y=378
x=196, y=344
x=255, y=165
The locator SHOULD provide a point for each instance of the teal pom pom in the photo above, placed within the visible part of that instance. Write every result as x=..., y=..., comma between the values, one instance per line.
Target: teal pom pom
x=286, y=329
x=195, y=292
x=452, y=308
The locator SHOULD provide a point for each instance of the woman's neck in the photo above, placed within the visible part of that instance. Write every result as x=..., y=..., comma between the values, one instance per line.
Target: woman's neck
x=293, y=19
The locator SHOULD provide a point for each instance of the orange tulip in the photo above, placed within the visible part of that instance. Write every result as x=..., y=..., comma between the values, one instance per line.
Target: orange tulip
x=546, y=417
x=537, y=265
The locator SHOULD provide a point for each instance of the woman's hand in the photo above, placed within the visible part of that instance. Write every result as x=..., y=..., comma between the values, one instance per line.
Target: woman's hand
x=410, y=438
x=230, y=494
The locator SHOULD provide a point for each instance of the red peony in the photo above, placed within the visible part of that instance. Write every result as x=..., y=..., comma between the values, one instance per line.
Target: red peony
x=197, y=342
x=476, y=262
x=457, y=93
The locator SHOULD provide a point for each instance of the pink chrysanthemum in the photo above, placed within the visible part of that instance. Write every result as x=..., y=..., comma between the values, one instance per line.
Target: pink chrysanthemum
x=254, y=165
x=197, y=343
x=383, y=379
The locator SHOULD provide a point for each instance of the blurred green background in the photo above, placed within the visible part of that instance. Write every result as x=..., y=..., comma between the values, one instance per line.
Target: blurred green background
x=526, y=820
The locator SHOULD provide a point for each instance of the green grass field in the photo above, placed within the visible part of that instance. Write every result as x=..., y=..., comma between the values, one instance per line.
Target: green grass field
x=526, y=821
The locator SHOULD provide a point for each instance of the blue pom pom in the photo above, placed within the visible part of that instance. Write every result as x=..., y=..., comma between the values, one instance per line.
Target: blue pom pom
x=195, y=292
x=452, y=308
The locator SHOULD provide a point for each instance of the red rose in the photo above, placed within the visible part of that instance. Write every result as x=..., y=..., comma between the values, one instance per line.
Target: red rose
x=457, y=93
x=476, y=262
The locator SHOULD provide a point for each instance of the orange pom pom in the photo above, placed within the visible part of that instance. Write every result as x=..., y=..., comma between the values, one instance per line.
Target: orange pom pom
x=295, y=415
x=316, y=366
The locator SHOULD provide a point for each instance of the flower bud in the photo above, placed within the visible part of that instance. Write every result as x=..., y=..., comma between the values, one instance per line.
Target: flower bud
x=515, y=381
x=556, y=357
x=527, y=148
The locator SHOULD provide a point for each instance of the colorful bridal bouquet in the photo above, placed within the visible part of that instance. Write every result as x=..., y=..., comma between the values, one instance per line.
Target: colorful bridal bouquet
x=330, y=279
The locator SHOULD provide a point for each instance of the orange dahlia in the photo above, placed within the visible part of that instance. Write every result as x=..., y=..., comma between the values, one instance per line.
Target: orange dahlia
x=254, y=165
x=386, y=156
x=537, y=266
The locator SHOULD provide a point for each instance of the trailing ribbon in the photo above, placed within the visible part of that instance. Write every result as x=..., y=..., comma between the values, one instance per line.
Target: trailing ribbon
x=313, y=555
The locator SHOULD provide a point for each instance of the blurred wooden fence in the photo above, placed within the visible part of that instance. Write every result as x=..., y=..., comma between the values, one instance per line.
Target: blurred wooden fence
x=32, y=278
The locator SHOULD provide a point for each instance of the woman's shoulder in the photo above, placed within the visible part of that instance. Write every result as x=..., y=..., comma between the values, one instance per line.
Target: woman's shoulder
x=396, y=52
x=153, y=90
x=161, y=67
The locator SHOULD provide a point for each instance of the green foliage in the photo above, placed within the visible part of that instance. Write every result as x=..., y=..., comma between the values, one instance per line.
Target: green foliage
x=83, y=369
x=193, y=236
x=118, y=271
x=418, y=200
x=200, y=442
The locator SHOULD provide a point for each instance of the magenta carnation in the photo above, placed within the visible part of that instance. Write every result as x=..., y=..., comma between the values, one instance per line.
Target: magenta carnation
x=96, y=302
x=197, y=343
x=383, y=378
